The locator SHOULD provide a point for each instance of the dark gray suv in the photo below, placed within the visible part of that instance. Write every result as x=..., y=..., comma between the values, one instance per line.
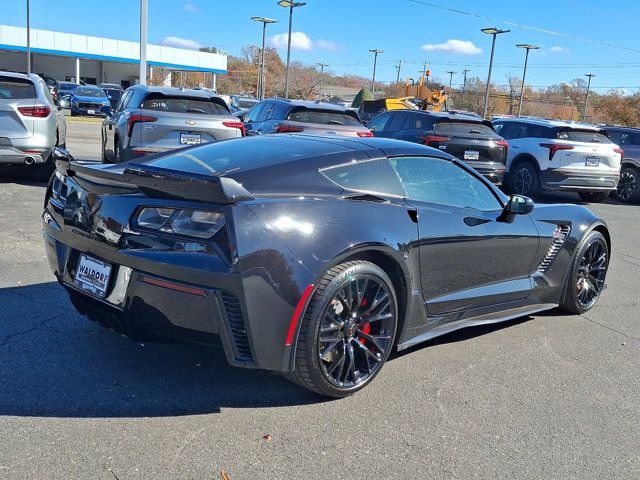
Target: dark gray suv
x=628, y=139
x=150, y=120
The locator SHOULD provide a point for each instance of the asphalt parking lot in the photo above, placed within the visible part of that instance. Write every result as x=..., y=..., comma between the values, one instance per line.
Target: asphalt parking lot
x=550, y=396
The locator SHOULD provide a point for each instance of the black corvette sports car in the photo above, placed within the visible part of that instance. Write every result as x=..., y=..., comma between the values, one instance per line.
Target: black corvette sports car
x=311, y=256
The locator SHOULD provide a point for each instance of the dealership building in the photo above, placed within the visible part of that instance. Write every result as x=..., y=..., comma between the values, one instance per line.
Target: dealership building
x=67, y=56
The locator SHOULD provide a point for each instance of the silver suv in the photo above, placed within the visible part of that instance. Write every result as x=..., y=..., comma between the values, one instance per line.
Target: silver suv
x=150, y=120
x=30, y=123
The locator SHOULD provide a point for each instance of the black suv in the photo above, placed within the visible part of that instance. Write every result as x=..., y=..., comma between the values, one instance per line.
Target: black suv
x=628, y=139
x=465, y=136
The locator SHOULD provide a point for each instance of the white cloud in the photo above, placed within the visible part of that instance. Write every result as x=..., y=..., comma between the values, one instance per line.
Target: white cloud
x=558, y=50
x=178, y=42
x=299, y=41
x=457, y=47
x=329, y=45
x=190, y=7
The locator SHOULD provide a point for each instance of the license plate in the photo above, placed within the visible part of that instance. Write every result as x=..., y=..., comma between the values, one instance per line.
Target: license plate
x=93, y=275
x=592, y=162
x=190, y=138
x=91, y=112
x=471, y=155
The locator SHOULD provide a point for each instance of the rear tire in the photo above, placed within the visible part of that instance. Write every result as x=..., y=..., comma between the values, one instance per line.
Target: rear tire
x=593, y=197
x=587, y=275
x=524, y=180
x=629, y=185
x=348, y=330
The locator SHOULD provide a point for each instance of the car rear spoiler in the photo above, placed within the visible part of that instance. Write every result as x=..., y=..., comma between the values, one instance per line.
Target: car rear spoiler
x=158, y=182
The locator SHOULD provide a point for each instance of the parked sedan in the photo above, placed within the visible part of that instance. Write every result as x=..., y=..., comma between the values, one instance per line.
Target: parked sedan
x=279, y=115
x=465, y=136
x=30, y=123
x=156, y=119
x=312, y=256
x=88, y=100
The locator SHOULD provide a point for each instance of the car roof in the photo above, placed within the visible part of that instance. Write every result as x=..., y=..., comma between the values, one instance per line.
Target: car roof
x=91, y=87
x=310, y=104
x=548, y=122
x=175, y=91
x=620, y=127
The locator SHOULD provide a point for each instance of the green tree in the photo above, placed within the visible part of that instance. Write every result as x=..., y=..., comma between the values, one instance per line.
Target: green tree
x=364, y=94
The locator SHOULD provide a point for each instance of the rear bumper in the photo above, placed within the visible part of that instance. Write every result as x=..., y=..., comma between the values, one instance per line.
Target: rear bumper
x=578, y=180
x=14, y=155
x=492, y=171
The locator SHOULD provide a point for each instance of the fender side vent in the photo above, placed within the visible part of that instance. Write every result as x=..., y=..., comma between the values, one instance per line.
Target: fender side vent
x=559, y=236
x=235, y=319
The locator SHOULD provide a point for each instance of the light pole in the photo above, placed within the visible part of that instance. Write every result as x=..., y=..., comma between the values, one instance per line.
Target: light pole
x=494, y=32
x=586, y=98
x=451, y=73
x=321, y=65
x=527, y=47
x=464, y=84
x=290, y=5
x=260, y=87
x=28, y=37
x=398, y=67
x=143, y=42
x=375, y=52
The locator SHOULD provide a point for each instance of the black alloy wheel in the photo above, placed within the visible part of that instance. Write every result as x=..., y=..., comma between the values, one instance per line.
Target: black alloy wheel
x=587, y=276
x=348, y=331
x=524, y=180
x=629, y=185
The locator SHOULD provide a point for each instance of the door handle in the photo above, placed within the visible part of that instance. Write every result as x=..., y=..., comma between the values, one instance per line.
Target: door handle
x=475, y=221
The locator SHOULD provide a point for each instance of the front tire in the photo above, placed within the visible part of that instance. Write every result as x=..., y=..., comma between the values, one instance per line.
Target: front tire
x=587, y=275
x=593, y=197
x=348, y=330
x=629, y=185
x=524, y=180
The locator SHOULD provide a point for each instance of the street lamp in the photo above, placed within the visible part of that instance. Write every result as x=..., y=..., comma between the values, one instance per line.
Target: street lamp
x=495, y=32
x=375, y=52
x=143, y=44
x=290, y=5
x=260, y=88
x=28, y=37
x=321, y=65
x=586, y=99
x=524, y=74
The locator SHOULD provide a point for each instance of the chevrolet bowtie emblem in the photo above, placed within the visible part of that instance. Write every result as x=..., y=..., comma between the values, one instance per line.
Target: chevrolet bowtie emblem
x=190, y=122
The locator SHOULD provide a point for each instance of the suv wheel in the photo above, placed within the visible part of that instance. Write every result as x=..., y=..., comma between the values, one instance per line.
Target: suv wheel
x=348, y=330
x=629, y=185
x=593, y=197
x=524, y=180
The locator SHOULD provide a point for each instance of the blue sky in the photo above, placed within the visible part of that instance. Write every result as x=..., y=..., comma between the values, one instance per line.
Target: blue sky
x=340, y=33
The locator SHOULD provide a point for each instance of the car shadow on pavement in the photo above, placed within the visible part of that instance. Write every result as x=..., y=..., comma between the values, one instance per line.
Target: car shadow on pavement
x=20, y=175
x=56, y=363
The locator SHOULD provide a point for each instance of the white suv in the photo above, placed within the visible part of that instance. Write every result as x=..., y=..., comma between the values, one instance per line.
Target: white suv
x=559, y=156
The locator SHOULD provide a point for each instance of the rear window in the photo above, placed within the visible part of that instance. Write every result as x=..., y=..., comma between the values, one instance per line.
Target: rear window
x=463, y=128
x=588, y=136
x=16, y=88
x=246, y=103
x=200, y=106
x=323, y=117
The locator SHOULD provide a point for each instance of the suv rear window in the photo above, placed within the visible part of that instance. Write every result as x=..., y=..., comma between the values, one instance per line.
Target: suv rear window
x=16, y=88
x=200, y=106
x=323, y=117
x=588, y=136
x=463, y=127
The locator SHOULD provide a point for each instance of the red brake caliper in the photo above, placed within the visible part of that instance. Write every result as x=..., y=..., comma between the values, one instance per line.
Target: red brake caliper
x=365, y=327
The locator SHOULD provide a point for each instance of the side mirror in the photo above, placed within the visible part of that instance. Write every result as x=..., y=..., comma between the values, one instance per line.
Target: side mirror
x=517, y=205
x=64, y=102
x=106, y=109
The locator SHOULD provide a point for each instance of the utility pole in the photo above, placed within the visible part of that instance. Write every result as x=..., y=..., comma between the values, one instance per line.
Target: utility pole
x=398, y=67
x=586, y=99
x=28, y=37
x=450, y=72
x=375, y=52
x=464, y=84
x=321, y=65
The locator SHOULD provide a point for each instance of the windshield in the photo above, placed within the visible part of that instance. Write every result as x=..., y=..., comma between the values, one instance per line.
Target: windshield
x=246, y=102
x=201, y=106
x=588, y=136
x=323, y=117
x=90, y=92
x=67, y=86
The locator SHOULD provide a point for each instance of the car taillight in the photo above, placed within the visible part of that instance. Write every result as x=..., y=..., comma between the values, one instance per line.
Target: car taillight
x=365, y=134
x=554, y=147
x=620, y=151
x=35, y=111
x=505, y=144
x=288, y=129
x=239, y=125
x=429, y=139
x=133, y=119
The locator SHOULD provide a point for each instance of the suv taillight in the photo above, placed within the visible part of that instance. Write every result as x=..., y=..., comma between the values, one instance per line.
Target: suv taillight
x=368, y=133
x=288, y=129
x=429, y=139
x=239, y=125
x=620, y=151
x=505, y=144
x=133, y=119
x=554, y=147
x=35, y=111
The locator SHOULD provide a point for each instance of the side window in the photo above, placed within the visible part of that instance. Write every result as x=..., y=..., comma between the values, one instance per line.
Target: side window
x=135, y=100
x=617, y=137
x=278, y=112
x=252, y=115
x=418, y=121
x=379, y=122
x=433, y=180
x=498, y=127
x=47, y=93
x=375, y=176
x=397, y=121
x=123, y=101
x=265, y=114
x=511, y=131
